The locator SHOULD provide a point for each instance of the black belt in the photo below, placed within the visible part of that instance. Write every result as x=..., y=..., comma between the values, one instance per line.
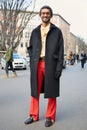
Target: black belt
x=42, y=58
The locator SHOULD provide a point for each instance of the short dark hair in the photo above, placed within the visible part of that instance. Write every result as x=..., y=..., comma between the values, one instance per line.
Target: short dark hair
x=46, y=7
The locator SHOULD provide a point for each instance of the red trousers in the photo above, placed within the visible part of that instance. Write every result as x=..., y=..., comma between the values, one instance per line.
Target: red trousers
x=34, y=106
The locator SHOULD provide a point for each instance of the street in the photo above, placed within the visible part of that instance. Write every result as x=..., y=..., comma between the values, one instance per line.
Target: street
x=71, y=105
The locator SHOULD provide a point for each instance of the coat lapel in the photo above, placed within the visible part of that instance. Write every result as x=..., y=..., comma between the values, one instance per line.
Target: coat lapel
x=38, y=32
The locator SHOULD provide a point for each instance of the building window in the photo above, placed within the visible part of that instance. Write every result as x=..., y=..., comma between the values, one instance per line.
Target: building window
x=21, y=44
x=26, y=34
x=26, y=44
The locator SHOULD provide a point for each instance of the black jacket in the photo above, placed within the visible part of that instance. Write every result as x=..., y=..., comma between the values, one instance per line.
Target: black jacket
x=54, y=61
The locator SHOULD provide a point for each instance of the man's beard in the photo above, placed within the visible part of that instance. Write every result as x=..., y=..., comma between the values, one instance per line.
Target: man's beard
x=46, y=21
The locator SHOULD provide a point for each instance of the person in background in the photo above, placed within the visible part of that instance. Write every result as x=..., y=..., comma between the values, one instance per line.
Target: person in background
x=46, y=51
x=69, y=57
x=9, y=59
x=83, y=58
x=77, y=57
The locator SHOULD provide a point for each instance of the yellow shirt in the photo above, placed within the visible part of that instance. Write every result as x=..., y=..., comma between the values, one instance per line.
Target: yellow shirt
x=44, y=31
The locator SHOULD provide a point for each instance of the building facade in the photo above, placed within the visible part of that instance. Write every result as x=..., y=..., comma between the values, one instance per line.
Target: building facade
x=71, y=42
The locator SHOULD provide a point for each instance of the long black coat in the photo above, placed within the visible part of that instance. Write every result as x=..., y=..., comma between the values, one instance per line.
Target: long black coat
x=53, y=61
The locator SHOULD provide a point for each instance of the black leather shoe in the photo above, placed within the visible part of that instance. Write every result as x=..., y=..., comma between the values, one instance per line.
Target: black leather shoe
x=29, y=120
x=49, y=122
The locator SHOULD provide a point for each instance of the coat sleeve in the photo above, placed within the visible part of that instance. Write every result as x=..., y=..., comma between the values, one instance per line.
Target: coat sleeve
x=60, y=56
x=30, y=45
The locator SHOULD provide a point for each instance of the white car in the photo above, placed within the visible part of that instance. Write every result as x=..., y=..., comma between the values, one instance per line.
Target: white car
x=27, y=58
x=18, y=62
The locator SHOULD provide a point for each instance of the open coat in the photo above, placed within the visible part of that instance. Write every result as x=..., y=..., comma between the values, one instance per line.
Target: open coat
x=53, y=61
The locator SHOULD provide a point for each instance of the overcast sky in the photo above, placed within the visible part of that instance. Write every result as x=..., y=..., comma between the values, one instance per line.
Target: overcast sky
x=73, y=11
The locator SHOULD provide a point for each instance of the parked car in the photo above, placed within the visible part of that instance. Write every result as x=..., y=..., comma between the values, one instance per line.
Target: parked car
x=18, y=62
x=27, y=58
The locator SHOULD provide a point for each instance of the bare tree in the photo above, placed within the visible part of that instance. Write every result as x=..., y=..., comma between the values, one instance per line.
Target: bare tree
x=14, y=16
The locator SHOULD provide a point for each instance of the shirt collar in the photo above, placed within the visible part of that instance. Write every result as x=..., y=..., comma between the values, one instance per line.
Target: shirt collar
x=47, y=27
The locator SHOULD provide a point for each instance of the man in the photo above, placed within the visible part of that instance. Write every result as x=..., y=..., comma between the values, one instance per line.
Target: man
x=46, y=63
x=9, y=59
x=83, y=58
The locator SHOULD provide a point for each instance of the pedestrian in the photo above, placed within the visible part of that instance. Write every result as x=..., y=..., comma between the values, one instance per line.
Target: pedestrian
x=77, y=57
x=9, y=59
x=69, y=57
x=83, y=58
x=46, y=52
